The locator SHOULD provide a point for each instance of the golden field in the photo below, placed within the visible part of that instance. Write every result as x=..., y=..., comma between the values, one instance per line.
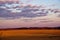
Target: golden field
x=29, y=32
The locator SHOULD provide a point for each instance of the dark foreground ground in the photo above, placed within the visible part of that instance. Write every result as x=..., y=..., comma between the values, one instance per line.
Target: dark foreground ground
x=31, y=38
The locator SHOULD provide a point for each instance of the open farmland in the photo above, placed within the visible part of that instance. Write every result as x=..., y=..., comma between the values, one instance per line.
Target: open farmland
x=30, y=34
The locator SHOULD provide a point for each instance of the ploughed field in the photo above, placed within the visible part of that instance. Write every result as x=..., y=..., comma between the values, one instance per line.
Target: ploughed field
x=30, y=34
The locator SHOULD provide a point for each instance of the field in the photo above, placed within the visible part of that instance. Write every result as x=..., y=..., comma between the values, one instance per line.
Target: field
x=28, y=34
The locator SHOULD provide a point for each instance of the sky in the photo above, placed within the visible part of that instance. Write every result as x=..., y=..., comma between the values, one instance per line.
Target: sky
x=25, y=17
x=42, y=2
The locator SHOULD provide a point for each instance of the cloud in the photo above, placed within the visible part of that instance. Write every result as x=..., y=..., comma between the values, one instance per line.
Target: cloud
x=26, y=11
x=12, y=12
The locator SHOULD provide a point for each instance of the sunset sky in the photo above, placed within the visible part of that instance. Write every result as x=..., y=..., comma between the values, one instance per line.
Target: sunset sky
x=11, y=17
